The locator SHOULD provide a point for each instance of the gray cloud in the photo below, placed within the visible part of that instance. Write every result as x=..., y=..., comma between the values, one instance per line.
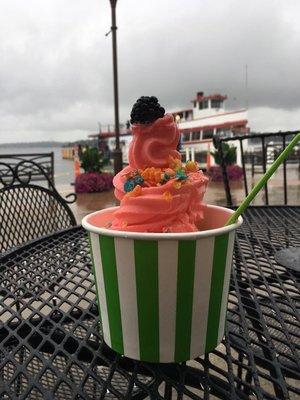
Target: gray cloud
x=56, y=71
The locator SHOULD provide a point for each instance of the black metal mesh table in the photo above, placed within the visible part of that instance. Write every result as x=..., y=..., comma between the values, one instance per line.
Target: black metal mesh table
x=50, y=347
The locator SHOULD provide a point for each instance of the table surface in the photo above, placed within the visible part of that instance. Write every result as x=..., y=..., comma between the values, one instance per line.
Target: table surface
x=51, y=348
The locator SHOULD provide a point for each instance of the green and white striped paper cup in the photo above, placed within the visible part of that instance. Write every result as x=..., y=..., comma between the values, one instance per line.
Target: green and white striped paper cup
x=162, y=297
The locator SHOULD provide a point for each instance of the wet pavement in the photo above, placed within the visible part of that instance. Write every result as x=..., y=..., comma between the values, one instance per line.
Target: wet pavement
x=87, y=203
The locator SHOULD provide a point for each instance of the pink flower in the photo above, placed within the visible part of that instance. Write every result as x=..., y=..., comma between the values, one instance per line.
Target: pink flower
x=234, y=173
x=89, y=182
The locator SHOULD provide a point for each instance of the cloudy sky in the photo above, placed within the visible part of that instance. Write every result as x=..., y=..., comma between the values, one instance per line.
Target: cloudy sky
x=56, y=67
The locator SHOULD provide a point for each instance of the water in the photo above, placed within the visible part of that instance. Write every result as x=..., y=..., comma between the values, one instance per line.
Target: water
x=63, y=169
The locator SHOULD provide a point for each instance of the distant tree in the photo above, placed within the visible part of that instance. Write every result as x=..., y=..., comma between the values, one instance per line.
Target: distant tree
x=229, y=154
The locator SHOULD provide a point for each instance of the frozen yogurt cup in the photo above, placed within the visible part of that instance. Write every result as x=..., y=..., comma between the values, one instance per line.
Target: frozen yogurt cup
x=162, y=296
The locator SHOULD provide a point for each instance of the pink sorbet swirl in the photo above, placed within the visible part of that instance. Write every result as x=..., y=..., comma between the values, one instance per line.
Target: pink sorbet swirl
x=152, y=211
x=173, y=206
x=152, y=144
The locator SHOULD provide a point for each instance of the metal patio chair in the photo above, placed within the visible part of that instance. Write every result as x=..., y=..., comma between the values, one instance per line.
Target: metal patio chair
x=29, y=211
x=267, y=141
x=45, y=160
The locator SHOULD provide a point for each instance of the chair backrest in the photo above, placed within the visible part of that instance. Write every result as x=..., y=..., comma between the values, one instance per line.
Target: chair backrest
x=45, y=160
x=267, y=146
x=29, y=211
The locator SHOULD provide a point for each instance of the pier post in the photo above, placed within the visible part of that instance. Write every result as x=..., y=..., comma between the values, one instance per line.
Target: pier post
x=117, y=153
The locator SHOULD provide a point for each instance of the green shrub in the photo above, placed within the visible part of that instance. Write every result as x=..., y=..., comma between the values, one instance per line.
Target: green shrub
x=229, y=154
x=90, y=160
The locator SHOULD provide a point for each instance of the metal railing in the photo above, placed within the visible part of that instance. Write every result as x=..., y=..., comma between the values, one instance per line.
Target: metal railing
x=44, y=160
x=263, y=138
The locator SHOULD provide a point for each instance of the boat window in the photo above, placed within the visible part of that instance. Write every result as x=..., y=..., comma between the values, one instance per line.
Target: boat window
x=186, y=137
x=208, y=133
x=188, y=115
x=216, y=103
x=221, y=132
x=196, y=136
x=227, y=133
x=194, y=104
x=201, y=157
x=224, y=132
x=203, y=104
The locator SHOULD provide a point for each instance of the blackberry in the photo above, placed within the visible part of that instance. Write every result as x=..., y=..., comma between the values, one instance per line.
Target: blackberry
x=146, y=110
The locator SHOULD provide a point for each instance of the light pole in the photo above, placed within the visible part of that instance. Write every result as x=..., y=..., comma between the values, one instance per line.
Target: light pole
x=117, y=153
